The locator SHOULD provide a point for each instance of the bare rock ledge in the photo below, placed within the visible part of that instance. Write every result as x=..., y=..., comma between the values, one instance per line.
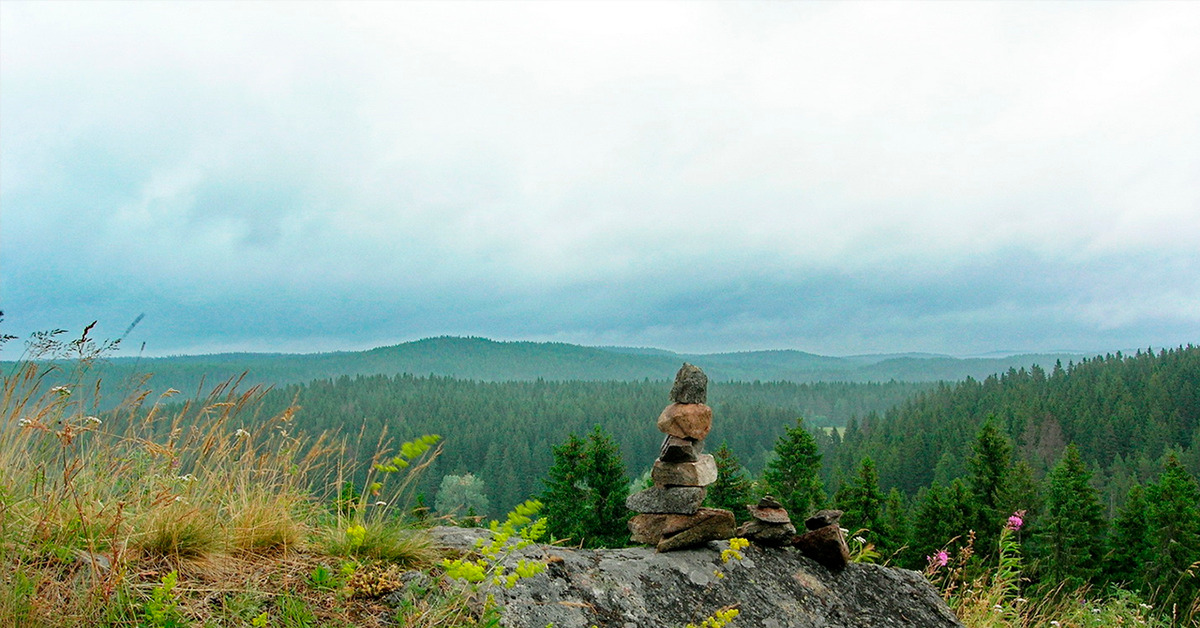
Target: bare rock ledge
x=772, y=588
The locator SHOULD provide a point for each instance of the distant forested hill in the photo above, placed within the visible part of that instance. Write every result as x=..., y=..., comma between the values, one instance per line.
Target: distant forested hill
x=1123, y=411
x=490, y=361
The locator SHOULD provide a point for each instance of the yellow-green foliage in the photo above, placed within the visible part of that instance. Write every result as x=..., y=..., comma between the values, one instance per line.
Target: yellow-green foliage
x=519, y=530
x=719, y=619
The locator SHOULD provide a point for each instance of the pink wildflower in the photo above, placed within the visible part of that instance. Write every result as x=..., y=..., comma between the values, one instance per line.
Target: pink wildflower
x=940, y=559
x=1016, y=520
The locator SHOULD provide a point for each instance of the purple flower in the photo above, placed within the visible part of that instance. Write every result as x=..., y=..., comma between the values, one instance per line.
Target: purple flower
x=940, y=559
x=1016, y=520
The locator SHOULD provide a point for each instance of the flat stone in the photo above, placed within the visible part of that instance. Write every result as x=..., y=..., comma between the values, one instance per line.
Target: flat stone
x=825, y=545
x=676, y=449
x=686, y=420
x=702, y=472
x=823, y=518
x=769, y=515
x=682, y=500
x=769, y=501
x=767, y=534
x=708, y=524
x=691, y=385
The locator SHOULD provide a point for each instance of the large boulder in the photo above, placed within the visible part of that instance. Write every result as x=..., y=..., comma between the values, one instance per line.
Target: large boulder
x=772, y=588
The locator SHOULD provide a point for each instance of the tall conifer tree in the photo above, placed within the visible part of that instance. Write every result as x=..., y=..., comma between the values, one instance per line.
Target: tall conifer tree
x=585, y=492
x=1069, y=538
x=863, y=502
x=1173, y=515
x=733, y=489
x=793, y=475
x=1130, y=549
x=989, y=464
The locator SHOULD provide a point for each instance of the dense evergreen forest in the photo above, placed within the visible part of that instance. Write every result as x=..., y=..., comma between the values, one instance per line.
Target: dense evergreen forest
x=503, y=432
x=1123, y=412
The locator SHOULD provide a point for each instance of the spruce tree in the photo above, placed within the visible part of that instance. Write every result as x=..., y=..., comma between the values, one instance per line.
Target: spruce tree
x=862, y=502
x=608, y=487
x=565, y=489
x=1130, y=549
x=944, y=514
x=792, y=476
x=989, y=464
x=733, y=489
x=1068, y=540
x=584, y=500
x=896, y=529
x=1173, y=515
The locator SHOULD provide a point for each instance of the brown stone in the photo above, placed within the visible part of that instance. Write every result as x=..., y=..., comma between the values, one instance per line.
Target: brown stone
x=708, y=524
x=686, y=420
x=675, y=449
x=769, y=515
x=823, y=518
x=700, y=473
x=825, y=545
x=647, y=528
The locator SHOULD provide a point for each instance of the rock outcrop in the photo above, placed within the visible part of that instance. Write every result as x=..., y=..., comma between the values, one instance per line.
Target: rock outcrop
x=770, y=587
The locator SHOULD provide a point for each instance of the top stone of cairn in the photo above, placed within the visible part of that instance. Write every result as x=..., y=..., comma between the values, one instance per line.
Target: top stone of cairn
x=691, y=385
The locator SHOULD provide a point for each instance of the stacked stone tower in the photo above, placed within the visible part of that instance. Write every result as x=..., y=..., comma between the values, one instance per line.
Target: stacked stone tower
x=669, y=513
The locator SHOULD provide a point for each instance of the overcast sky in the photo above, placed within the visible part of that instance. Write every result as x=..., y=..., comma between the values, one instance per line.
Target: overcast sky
x=832, y=177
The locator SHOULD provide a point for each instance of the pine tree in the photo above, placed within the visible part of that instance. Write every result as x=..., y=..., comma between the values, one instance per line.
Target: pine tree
x=862, y=502
x=1069, y=537
x=792, y=476
x=989, y=465
x=733, y=489
x=1173, y=515
x=1130, y=548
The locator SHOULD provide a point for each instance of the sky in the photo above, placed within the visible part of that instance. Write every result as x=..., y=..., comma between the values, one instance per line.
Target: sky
x=839, y=178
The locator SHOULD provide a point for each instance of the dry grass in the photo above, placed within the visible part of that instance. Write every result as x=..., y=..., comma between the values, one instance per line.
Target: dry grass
x=97, y=508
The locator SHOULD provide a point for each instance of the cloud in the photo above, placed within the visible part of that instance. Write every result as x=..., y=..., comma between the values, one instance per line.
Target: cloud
x=834, y=177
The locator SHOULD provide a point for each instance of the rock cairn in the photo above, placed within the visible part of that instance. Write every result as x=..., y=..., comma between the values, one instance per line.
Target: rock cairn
x=770, y=526
x=824, y=542
x=669, y=513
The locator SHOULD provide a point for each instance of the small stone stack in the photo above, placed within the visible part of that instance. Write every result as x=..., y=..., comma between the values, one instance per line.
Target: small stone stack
x=669, y=513
x=824, y=542
x=770, y=526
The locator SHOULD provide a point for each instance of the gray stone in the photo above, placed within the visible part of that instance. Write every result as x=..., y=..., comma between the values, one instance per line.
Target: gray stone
x=675, y=449
x=769, y=501
x=681, y=500
x=691, y=385
x=702, y=472
x=772, y=588
x=823, y=518
x=767, y=534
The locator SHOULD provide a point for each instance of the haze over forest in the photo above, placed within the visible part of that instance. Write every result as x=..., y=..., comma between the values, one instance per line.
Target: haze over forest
x=833, y=178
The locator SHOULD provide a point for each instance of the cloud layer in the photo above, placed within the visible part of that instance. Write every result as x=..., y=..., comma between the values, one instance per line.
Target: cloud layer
x=837, y=178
